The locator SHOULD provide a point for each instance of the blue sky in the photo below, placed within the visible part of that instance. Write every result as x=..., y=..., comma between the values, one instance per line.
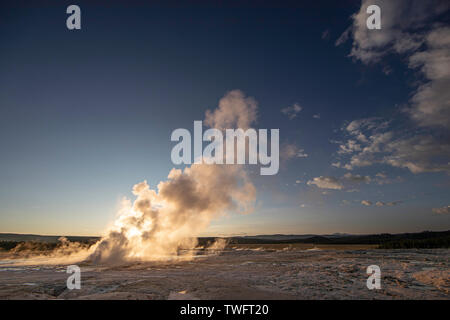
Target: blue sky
x=86, y=114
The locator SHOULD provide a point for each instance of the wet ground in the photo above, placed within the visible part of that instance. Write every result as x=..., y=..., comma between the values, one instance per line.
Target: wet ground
x=255, y=273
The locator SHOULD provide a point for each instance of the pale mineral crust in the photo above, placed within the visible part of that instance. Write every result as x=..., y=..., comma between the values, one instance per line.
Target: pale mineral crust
x=257, y=273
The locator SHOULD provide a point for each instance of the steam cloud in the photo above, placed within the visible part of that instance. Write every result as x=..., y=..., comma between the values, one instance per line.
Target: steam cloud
x=163, y=224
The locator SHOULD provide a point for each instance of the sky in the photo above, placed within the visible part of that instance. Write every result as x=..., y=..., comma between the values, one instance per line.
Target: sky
x=364, y=115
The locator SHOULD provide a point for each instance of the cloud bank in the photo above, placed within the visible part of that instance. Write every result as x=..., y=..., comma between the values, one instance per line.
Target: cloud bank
x=410, y=28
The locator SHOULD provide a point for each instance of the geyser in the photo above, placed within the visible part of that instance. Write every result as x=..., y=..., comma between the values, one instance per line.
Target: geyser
x=164, y=224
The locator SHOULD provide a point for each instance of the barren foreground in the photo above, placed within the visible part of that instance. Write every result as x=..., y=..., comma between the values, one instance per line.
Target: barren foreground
x=244, y=273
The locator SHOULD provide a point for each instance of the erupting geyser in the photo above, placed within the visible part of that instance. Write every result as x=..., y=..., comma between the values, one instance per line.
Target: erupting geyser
x=163, y=224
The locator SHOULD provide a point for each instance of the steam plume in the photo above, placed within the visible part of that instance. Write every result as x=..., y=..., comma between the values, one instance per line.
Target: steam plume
x=163, y=224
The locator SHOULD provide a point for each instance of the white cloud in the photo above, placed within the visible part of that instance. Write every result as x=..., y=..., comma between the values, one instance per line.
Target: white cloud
x=409, y=28
x=349, y=147
x=326, y=183
x=235, y=110
x=289, y=151
x=418, y=154
x=344, y=36
x=336, y=164
x=356, y=126
x=402, y=149
x=356, y=178
x=382, y=178
x=366, y=202
x=301, y=154
x=443, y=210
x=431, y=102
x=381, y=175
x=389, y=204
x=292, y=111
x=347, y=180
x=400, y=20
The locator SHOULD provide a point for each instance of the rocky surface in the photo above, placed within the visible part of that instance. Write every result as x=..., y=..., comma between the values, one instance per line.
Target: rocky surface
x=245, y=274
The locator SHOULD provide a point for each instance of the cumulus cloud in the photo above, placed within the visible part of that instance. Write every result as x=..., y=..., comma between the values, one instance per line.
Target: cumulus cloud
x=338, y=164
x=289, y=151
x=326, y=183
x=406, y=149
x=431, y=102
x=419, y=154
x=348, y=180
x=292, y=111
x=381, y=175
x=409, y=28
x=400, y=21
x=356, y=127
x=389, y=204
x=381, y=178
x=443, y=210
x=235, y=110
x=349, y=147
x=356, y=178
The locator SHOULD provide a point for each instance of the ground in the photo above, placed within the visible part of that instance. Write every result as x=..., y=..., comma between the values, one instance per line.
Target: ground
x=246, y=273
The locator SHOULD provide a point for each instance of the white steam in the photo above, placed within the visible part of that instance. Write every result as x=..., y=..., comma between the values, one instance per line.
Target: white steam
x=164, y=224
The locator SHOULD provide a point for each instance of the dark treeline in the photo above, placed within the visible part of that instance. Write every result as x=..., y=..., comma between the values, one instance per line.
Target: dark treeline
x=38, y=246
x=17, y=237
x=439, y=242
x=426, y=239
x=8, y=245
